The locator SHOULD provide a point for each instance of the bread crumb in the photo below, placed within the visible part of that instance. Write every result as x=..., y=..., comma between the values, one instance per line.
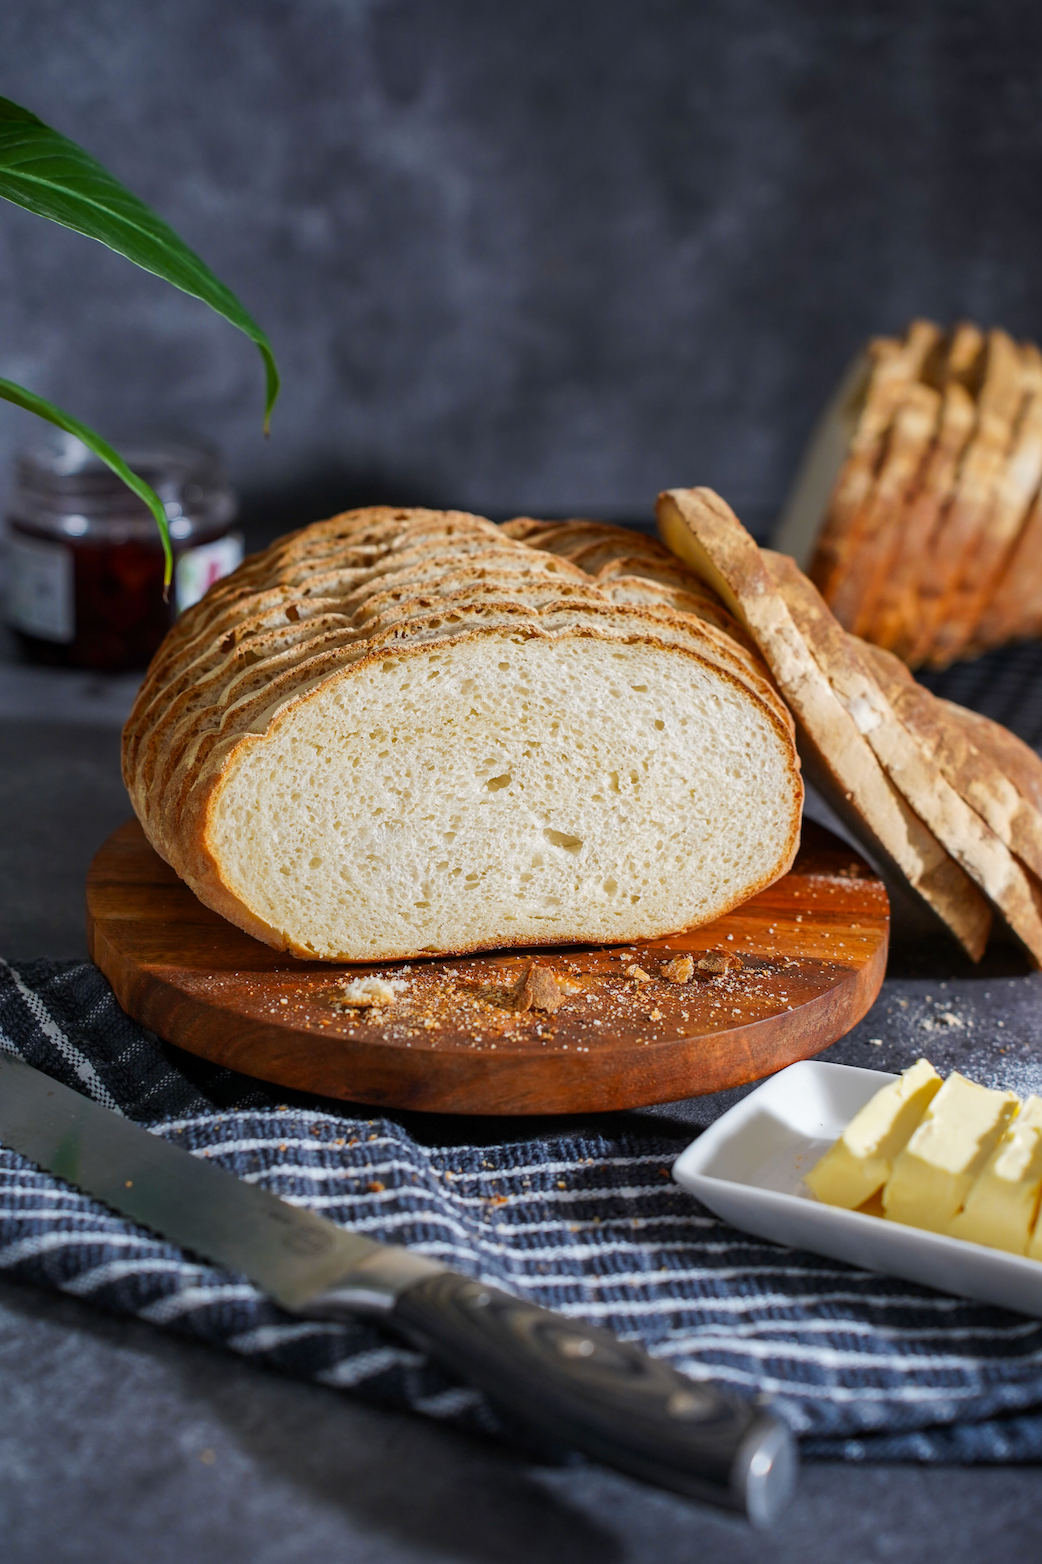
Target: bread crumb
x=538, y=990
x=637, y=974
x=716, y=964
x=679, y=970
x=363, y=992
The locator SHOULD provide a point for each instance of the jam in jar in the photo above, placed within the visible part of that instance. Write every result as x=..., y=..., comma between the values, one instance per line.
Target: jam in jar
x=84, y=557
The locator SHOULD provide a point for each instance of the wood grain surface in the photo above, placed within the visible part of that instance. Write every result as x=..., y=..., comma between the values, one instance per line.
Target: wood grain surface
x=811, y=956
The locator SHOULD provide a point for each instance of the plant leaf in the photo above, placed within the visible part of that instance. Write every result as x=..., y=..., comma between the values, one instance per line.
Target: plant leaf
x=101, y=448
x=50, y=175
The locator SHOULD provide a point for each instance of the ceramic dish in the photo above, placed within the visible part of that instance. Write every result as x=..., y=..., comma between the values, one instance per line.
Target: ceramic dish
x=748, y=1168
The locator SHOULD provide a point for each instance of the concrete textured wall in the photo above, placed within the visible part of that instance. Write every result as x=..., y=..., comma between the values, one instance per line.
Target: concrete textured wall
x=548, y=256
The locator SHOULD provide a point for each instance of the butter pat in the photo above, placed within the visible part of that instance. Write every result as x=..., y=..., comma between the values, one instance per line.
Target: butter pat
x=1000, y=1208
x=860, y=1162
x=934, y=1173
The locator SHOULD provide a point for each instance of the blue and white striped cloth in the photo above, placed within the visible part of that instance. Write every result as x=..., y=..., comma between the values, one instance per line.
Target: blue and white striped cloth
x=862, y=1366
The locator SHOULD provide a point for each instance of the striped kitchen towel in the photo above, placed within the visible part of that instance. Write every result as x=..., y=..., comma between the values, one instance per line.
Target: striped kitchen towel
x=862, y=1366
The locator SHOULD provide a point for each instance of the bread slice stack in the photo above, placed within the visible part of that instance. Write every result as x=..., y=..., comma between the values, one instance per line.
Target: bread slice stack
x=919, y=509
x=402, y=732
x=947, y=798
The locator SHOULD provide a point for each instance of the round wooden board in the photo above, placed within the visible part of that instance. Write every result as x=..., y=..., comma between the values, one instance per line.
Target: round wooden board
x=812, y=950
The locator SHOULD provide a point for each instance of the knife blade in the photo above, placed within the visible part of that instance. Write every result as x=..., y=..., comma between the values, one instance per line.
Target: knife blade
x=577, y=1384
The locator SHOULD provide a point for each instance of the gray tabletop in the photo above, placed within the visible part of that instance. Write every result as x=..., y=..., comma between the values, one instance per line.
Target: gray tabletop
x=119, y=1442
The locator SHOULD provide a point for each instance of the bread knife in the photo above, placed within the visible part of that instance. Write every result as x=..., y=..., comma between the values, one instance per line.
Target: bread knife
x=574, y=1383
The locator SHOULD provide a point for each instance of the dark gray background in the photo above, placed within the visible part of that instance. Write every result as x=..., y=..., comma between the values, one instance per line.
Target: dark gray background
x=545, y=256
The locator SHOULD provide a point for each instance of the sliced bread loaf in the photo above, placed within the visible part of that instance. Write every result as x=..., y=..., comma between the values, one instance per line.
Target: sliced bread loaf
x=909, y=757
x=402, y=733
x=704, y=532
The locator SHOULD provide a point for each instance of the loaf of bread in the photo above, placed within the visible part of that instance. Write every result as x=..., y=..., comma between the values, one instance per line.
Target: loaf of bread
x=401, y=733
x=918, y=512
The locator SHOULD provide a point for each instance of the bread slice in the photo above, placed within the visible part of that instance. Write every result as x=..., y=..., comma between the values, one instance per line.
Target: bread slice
x=873, y=484
x=980, y=759
x=895, y=621
x=894, y=367
x=976, y=491
x=703, y=531
x=910, y=438
x=483, y=751
x=1019, y=764
x=908, y=762
x=951, y=370
x=1017, y=487
x=1015, y=609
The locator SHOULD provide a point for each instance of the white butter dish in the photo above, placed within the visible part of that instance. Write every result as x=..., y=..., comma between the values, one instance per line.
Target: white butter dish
x=748, y=1168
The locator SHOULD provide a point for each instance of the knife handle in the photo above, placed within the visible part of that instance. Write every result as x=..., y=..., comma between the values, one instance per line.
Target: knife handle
x=586, y=1389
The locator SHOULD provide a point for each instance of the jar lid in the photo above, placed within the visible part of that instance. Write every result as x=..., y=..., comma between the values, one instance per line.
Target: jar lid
x=60, y=475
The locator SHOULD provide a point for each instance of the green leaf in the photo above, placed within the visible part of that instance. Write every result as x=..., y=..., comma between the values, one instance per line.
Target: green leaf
x=101, y=448
x=50, y=175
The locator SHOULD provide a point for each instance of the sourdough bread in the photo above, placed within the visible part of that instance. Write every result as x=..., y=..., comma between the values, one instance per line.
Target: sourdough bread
x=703, y=531
x=403, y=733
x=929, y=542
x=909, y=763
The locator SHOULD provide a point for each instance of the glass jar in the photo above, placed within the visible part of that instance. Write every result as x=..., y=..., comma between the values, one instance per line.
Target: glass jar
x=84, y=557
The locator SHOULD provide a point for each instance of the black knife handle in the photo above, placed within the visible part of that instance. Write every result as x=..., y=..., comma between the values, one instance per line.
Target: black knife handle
x=586, y=1389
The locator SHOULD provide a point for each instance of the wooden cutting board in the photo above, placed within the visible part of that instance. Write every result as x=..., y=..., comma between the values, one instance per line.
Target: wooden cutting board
x=812, y=953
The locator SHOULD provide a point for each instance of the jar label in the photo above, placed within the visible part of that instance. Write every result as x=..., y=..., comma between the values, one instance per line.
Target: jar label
x=198, y=568
x=41, y=597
